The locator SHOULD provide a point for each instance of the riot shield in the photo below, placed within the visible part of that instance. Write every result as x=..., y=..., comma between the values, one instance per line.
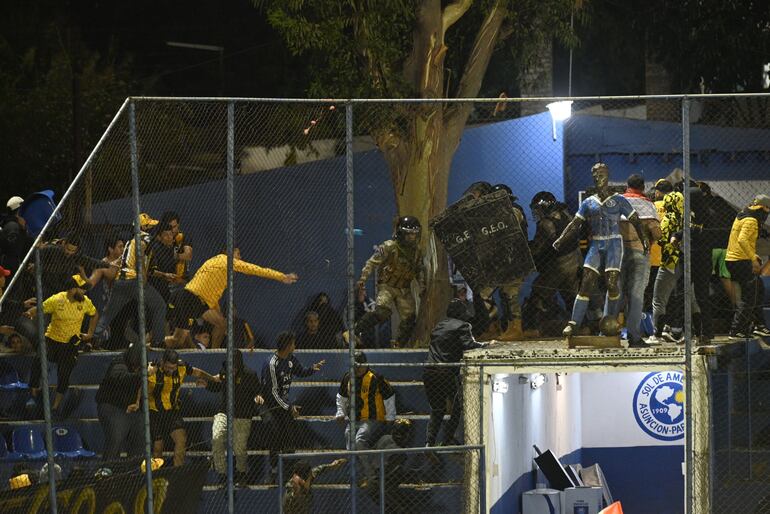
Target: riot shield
x=484, y=240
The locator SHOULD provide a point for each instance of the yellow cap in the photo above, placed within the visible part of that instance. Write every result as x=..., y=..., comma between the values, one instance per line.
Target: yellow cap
x=19, y=481
x=156, y=463
x=145, y=221
x=79, y=280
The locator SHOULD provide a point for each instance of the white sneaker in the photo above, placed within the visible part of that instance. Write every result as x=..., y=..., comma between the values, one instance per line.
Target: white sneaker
x=655, y=340
x=668, y=336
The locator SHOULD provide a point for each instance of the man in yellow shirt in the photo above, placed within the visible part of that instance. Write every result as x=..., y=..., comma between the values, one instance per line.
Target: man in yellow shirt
x=201, y=295
x=62, y=337
x=743, y=263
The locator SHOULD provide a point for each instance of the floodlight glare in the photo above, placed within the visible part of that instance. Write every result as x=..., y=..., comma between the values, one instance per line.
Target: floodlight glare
x=560, y=111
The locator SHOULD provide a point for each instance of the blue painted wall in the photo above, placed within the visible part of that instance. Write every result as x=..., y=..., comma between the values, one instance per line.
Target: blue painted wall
x=293, y=218
x=520, y=153
x=652, y=485
x=654, y=149
x=646, y=479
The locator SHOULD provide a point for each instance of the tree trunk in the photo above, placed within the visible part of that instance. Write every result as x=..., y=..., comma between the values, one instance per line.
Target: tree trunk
x=419, y=154
x=420, y=168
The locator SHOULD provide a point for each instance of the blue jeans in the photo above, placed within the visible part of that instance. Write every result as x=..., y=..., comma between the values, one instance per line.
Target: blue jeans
x=123, y=291
x=665, y=283
x=634, y=276
x=367, y=434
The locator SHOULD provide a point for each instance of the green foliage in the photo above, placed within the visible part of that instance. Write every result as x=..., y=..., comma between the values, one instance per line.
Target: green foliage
x=36, y=88
x=723, y=42
x=357, y=47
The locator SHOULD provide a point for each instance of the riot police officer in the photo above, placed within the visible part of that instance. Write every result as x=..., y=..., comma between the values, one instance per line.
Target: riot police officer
x=559, y=270
x=398, y=261
x=509, y=294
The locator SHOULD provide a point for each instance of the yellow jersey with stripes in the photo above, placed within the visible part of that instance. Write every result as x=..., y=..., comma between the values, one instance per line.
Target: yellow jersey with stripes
x=181, y=266
x=128, y=259
x=373, y=392
x=164, y=390
x=210, y=280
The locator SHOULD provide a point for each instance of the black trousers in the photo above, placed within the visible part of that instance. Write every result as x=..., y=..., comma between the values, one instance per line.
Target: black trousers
x=282, y=430
x=64, y=355
x=700, y=259
x=749, y=307
x=442, y=385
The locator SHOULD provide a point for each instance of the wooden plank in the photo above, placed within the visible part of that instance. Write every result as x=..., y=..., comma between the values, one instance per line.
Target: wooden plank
x=594, y=342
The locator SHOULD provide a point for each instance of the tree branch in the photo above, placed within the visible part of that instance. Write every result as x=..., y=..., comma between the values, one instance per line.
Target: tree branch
x=469, y=86
x=483, y=47
x=454, y=12
x=426, y=42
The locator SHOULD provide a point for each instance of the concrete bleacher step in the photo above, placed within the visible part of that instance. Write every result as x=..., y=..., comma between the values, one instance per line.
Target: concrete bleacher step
x=91, y=367
x=314, y=431
x=333, y=499
x=316, y=398
x=742, y=464
x=733, y=494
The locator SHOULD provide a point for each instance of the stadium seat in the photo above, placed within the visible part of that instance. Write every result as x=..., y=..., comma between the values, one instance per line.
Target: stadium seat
x=9, y=377
x=5, y=455
x=28, y=443
x=68, y=443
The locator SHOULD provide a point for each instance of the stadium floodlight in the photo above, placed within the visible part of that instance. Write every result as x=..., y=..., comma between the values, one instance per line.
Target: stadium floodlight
x=560, y=111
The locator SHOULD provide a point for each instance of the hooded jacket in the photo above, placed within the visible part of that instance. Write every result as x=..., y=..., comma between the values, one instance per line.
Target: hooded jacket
x=742, y=245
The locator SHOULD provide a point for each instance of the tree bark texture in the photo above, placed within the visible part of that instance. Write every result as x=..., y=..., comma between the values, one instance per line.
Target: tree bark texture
x=419, y=152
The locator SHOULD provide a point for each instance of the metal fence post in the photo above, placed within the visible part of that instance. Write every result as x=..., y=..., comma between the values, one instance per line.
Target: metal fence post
x=43, y=355
x=230, y=257
x=351, y=284
x=688, y=496
x=748, y=409
x=481, y=404
x=280, y=483
x=482, y=480
x=57, y=210
x=382, y=483
x=140, y=298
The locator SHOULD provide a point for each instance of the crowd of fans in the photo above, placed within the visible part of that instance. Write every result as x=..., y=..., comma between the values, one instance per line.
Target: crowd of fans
x=726, y=290
x=91, y=303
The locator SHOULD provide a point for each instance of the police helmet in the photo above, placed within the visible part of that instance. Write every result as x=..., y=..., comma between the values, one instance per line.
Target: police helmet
x=407, y=225
x=503, y=187
x=543, y=199
x=479, y=188
x=542, y=203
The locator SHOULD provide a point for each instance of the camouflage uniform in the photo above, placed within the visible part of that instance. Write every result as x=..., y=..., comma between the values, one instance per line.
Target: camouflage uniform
x=510, y=293
x=398, y=264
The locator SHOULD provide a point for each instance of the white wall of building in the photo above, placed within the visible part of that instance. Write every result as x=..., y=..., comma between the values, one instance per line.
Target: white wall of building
x=548, y=417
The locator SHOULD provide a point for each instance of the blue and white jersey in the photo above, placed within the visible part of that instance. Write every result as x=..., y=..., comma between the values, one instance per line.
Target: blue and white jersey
x=604, y=216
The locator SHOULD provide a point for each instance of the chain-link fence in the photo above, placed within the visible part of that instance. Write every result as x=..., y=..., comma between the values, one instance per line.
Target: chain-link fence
x=305, y=273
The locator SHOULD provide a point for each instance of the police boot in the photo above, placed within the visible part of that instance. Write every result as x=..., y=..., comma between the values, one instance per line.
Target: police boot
x=513, y=332
x=367, y=322
x=405, y=330
x=492, y=332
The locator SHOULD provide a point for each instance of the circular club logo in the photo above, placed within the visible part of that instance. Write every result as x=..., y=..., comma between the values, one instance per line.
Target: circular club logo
x=659, y=405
